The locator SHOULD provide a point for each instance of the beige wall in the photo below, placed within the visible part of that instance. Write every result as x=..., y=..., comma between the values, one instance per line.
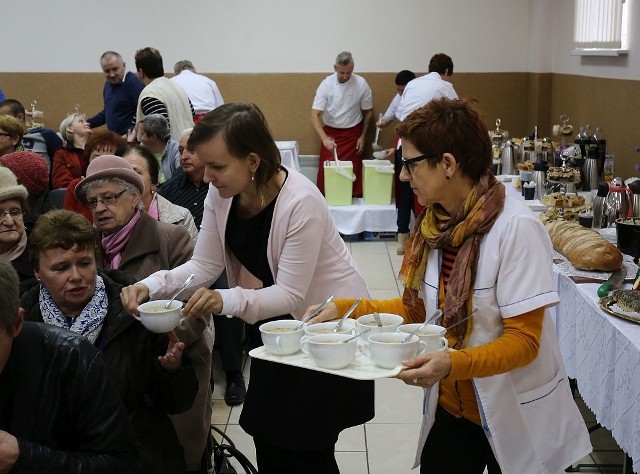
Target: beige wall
x=520, y=100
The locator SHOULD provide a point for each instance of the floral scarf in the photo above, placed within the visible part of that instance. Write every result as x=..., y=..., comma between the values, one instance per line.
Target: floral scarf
x=114, y=244
x=435, y=229
x=88, y=323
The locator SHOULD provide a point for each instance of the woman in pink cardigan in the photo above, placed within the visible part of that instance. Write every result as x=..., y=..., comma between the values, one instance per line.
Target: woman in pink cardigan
x=270, y=227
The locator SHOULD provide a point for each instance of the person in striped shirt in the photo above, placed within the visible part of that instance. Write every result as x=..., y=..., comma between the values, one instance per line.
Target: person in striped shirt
x=160, y=95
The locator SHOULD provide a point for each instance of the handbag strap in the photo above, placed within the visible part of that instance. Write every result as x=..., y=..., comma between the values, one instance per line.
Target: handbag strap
x=230, y=450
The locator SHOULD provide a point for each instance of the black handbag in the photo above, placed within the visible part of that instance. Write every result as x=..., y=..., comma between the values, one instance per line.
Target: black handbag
x=224, y=452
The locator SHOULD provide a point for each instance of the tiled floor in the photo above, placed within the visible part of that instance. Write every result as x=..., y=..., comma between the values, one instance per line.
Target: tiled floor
x=387, y=443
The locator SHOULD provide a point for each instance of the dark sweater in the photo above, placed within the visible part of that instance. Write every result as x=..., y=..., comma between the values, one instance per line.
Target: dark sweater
x=182, y=191
x=120, y=105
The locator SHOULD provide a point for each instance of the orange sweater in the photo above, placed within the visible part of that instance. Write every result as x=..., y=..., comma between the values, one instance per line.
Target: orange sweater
x=516, y=347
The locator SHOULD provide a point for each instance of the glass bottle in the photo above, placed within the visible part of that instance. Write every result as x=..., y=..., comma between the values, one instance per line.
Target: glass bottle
x=579, y=140
x=601, y=143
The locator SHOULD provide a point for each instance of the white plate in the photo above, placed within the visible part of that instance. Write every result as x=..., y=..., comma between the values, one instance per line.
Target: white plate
x=535, y=205
x=362, y=367
x=505, y=178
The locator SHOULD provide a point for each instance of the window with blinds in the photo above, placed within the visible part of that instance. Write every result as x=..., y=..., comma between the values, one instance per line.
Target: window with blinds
x=600, y=27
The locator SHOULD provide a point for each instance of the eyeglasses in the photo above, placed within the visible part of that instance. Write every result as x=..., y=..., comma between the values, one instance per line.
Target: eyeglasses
x=106, y=200
x=409, y=163
x=14, y=213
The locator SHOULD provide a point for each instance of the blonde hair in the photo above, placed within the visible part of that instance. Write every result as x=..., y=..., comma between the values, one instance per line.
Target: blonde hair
x=65, y=124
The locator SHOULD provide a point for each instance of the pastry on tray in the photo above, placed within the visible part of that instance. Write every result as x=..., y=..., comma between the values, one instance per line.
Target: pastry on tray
x=560, y=199
x=526, y=166
x=563, y=175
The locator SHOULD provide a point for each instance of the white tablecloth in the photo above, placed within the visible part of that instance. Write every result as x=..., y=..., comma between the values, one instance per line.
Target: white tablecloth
x=289, y=154
x=602, y=352
x=360, y=217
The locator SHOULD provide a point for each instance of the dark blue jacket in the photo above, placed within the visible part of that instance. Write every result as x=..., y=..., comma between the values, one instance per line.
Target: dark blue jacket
x=120, y=105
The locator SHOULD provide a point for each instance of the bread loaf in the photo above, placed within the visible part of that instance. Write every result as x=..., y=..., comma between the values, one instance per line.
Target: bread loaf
x=585, y=248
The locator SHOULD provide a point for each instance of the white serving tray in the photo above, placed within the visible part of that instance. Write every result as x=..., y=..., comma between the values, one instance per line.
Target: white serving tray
x=506, y=178
x=535, y=205
x=362, y=367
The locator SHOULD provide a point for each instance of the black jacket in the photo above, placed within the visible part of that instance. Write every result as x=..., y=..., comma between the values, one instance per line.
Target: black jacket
x=57, y=398
x=149, y=393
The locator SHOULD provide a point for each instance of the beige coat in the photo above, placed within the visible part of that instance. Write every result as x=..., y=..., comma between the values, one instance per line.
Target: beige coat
x=157, y=246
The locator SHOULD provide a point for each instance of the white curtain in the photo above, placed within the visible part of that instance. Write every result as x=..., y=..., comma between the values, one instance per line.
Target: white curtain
x=598, y=24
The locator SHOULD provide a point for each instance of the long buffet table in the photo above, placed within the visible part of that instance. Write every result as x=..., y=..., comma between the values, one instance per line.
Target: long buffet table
x=602, y=352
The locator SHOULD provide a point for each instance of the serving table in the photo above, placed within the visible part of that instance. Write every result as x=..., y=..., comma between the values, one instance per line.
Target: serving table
x=361, y=217
x=602, y=353
x=289, y=153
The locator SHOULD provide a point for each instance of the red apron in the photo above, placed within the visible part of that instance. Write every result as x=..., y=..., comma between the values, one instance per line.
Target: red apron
x=345, y=139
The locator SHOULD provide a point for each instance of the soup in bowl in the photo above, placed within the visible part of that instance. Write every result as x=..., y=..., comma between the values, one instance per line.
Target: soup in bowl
x=156, y=318
x=282, y=337
x=390, y=323
x=388, y=350
x=348, y=327
x=330, y=351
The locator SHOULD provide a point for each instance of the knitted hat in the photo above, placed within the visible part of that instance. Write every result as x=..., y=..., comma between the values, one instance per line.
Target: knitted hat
x=30, y=169
x=109, y=166
x=9, y=187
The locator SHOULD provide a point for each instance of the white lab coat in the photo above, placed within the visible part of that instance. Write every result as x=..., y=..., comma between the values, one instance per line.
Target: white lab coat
x=529, y=416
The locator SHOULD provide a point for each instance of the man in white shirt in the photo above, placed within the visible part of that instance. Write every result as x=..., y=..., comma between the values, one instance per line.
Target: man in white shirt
x=202, y=91
x=340, y=115
x=402, y=79
x=433, y=85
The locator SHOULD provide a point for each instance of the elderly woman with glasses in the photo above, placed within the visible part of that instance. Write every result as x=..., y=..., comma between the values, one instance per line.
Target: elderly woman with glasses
x=113, y=191
x=501, y=399
x=13, y=235
x=69, y=161
x=147, y=368
x=136, y=243
x=101, y=143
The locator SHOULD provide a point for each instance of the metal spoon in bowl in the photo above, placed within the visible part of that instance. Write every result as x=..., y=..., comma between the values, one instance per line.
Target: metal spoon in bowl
x=180, y=290
x=315, y=312
x=433, y=317
x=377, y=319
x=357, y=335
x=347, y=314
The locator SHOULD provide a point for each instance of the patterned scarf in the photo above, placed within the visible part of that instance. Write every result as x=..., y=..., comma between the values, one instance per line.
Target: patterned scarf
x=88, y=323
x=465, y=230
x=114, y=244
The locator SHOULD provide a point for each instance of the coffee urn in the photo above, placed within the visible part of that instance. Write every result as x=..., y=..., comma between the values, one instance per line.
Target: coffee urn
x=539, y=177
